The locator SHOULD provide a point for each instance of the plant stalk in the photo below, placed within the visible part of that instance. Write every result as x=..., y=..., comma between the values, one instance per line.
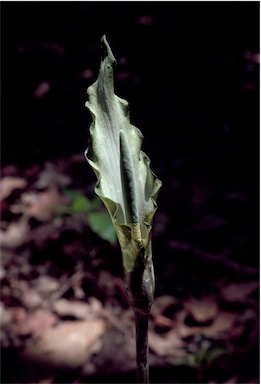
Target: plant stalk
x=141, y=322
x=140, y=290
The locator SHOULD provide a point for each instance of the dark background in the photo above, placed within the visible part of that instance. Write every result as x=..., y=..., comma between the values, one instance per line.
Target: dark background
x=187, y=76
x=190, y=72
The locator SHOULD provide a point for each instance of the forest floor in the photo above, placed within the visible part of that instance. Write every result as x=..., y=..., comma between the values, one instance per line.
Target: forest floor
x=64, y=313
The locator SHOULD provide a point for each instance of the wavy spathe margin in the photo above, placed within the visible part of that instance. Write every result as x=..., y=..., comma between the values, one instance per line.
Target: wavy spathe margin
x=126, y=184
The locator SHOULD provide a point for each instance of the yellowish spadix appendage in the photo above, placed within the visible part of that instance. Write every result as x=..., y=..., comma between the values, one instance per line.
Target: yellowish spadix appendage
x=127, y=186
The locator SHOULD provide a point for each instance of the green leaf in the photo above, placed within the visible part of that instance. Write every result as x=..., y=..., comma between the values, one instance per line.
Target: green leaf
x=101, y=224
x=126, y=184
x=79, y=202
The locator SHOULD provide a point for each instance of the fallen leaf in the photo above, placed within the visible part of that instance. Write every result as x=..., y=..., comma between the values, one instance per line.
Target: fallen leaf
x=223, y=323
x=69, y=344
x=5, y=315
x=46, y=284
x=31, y=299
x=239, y=291
x=15, y=234
x=18, y=314
x=51, y=178
x=202, y=310
x=95, y=305
x=35, y=324
x=162, y=323
x=163, y=304
x=77, y=309
x=167, y=344
x=8, y=184
x=43, y=205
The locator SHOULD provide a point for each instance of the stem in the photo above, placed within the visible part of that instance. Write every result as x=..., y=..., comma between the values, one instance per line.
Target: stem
x=141, y=321
x=140, y=291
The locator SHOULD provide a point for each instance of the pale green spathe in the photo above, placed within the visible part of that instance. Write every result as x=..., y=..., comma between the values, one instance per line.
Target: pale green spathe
x=126, y=184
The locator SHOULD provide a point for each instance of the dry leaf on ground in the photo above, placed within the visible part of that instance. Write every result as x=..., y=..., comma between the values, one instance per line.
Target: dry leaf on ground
x=15, y=234
x=164, y=303
x=239, y=291
x=202, y=310
x=77, y=309
x=69, y=344
x=165, y=345
x=46, y=284
x=31, y=299
x=35, y=324
x=5, y=315
x=222, y=324
x=8, y=184
x=50, y=177
x=43, y=205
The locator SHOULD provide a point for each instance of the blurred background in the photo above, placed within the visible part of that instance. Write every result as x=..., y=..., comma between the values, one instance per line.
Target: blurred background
x=190, y=72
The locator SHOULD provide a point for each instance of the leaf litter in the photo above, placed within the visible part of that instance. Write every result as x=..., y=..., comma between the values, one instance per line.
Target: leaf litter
x=62, y=301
